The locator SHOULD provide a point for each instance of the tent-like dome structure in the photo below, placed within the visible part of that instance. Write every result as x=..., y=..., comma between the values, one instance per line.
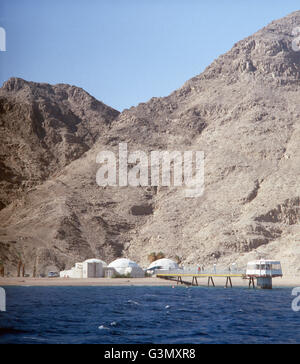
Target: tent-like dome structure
x=90, y=268
x=93, y=268
x=127, y=266
x=96, y=261
x=163, y=264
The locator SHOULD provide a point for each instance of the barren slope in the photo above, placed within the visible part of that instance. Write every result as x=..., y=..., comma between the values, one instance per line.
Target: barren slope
x=42, y=129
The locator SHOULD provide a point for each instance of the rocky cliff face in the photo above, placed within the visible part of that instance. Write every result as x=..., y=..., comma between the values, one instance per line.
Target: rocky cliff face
x=242, y=111
x=42, y=129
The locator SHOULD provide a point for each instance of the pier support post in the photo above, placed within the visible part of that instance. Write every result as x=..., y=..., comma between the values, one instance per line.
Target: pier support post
x=251, y=282
x=179, y=280
x=194, y=280
x=228, y=280
x=210, y=279
x=264, y=282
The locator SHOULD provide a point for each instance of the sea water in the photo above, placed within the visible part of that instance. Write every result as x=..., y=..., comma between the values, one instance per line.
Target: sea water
x=179, y=315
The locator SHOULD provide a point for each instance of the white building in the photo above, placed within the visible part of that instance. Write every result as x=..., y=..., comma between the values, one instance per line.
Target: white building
x=76, y=272
x=163, y=264
x=264, y=268
x=264, y=271
x=126, y=266
x=91, y=268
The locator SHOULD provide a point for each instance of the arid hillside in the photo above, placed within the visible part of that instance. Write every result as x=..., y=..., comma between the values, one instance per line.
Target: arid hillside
x=42, y=129
x=243, y=112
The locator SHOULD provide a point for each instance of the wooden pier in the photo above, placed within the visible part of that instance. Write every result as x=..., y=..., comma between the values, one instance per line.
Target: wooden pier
x=262, y=270
x=179, y=278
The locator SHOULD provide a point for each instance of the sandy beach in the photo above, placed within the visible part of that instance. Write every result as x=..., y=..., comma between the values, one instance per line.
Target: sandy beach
x=219, y=282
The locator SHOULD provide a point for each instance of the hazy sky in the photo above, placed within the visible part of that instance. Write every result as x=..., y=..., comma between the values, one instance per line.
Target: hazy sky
x=125, y=51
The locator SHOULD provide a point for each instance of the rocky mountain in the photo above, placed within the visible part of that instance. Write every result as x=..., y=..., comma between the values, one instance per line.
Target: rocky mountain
x=42, y=129
x=242, y=111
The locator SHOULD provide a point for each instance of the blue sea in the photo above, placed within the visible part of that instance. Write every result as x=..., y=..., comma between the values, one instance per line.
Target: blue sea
x=118, y=315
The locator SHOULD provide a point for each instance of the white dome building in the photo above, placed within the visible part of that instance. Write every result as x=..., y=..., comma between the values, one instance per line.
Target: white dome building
x=90, y=268
x=163, y=264
x=126, y=266
x=93, y=268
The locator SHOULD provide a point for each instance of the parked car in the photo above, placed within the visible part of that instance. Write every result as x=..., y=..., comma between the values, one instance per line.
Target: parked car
x=53, y=274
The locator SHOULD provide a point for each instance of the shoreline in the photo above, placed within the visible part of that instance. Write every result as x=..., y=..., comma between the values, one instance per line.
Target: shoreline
x=127, y=282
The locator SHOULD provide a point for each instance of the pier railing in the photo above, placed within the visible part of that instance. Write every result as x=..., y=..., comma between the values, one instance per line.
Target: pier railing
x=196, y=271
